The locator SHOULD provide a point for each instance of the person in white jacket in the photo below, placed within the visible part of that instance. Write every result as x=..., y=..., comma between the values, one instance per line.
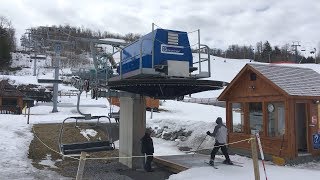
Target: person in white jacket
x=220, y=134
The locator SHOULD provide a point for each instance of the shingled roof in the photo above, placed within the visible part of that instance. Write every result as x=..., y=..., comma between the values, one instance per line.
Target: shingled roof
x=7, y=90
x=295, y=81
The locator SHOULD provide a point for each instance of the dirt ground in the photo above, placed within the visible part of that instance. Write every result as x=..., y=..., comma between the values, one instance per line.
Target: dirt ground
x=49, y=134
x=94, y=169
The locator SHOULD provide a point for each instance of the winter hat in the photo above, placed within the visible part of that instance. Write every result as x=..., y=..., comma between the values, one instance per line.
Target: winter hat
x=148, y=131
x=219, y=120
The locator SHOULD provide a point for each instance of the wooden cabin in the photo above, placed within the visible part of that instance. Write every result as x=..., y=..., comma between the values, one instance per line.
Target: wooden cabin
x=11, y=99
x=150, y=102
x=280, y=103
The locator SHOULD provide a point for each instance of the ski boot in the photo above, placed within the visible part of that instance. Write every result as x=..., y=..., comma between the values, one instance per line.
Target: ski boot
x=211, y=162
x=228, y=162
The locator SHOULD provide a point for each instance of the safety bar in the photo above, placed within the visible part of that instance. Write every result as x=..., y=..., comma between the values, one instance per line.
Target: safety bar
x=86, y=116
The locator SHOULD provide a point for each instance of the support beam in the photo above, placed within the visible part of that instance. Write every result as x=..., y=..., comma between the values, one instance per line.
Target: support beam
x=132, y=128
x=56, y=77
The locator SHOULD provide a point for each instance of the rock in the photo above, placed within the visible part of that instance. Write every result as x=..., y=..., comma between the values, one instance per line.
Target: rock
x=182, y=138
x=166, y=135
x=188, y=134
x=184, y=148
x=159, y=131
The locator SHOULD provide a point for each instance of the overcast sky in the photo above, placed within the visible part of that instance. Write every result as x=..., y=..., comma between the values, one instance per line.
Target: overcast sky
x=221, y=22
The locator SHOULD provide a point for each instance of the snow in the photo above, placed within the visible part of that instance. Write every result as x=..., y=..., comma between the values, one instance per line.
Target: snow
x=165, y=148
x=230, y=172
x=87, y=133
x=246, y=172
x=16, y=135
x=114, y=40
x=48, y=162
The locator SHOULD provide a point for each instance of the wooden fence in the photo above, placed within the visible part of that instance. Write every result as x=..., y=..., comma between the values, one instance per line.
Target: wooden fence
x=10, y=110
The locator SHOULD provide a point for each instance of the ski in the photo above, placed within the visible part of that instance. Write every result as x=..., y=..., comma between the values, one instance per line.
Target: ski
x=211, y=165
x=234, y=164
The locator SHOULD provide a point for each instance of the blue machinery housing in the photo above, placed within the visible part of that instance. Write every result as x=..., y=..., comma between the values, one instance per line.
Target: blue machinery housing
x=160, y=65
x=168, y=45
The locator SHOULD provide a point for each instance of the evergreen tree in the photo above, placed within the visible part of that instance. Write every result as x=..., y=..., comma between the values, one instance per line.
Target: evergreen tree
x=5, y=55
x=7, y=42
x=266, y=52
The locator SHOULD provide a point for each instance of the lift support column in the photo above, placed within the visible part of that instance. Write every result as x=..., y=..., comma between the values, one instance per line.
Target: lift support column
x=132, y=128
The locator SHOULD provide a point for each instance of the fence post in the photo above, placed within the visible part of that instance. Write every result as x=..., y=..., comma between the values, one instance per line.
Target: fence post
x=25, y=110
x=255, y=157
x=28, y=115
x=81, y=165
x=151, y=113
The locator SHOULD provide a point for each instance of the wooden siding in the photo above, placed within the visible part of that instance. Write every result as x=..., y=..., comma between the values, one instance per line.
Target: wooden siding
x=150, y=102
x=19, y=100
x=270, y=145
x=290, y=128
x=244, y=88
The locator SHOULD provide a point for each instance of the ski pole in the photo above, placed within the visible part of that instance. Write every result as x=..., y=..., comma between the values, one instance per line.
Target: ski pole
x=200, y=145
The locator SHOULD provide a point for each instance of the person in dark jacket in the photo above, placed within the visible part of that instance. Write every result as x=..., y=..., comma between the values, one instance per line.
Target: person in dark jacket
x=220, y=134
x=147, y=149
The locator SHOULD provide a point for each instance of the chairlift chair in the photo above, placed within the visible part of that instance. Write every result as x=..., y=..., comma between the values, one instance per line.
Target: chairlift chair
x=77, y=148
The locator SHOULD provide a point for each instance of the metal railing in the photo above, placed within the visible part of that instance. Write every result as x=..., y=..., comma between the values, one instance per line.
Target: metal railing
x=203, y=59
x=207, y=101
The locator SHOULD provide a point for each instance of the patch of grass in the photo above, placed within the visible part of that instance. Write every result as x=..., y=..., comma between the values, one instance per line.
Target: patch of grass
x=49, y=134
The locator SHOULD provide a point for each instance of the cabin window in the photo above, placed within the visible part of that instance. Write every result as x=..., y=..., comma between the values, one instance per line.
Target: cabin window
x=253, y=76
x=9, y=102
x=276, y=119
x=237, y=118
x=255, y=117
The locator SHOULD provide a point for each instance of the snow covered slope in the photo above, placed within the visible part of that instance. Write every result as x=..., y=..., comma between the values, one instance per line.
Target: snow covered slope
x=15, y=137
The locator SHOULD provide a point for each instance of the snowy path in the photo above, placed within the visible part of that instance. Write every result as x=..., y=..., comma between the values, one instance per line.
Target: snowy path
x=246, y=172
x=16, y=135
x=15, y=139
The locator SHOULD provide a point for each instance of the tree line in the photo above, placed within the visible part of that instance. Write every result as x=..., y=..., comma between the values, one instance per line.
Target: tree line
x=38, y=35
x=264, y=52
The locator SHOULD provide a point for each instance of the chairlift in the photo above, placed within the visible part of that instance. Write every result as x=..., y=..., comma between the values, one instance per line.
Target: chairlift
x=78, y=147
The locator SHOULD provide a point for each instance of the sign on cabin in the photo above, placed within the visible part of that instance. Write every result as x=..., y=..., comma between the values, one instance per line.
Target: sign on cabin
x=318, y=118
x=316, y=141
x=314, y=120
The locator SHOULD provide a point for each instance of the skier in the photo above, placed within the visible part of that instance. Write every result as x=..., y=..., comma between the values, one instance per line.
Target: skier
x=220, y=133
x=147, y=149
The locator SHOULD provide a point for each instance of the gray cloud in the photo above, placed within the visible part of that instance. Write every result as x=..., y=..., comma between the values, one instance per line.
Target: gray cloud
x=221, y=22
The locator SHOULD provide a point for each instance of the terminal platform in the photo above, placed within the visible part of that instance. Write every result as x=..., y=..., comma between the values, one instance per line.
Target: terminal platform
x=165, y=88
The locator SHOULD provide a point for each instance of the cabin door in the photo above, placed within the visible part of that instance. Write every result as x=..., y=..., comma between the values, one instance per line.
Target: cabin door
x=301, y=127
